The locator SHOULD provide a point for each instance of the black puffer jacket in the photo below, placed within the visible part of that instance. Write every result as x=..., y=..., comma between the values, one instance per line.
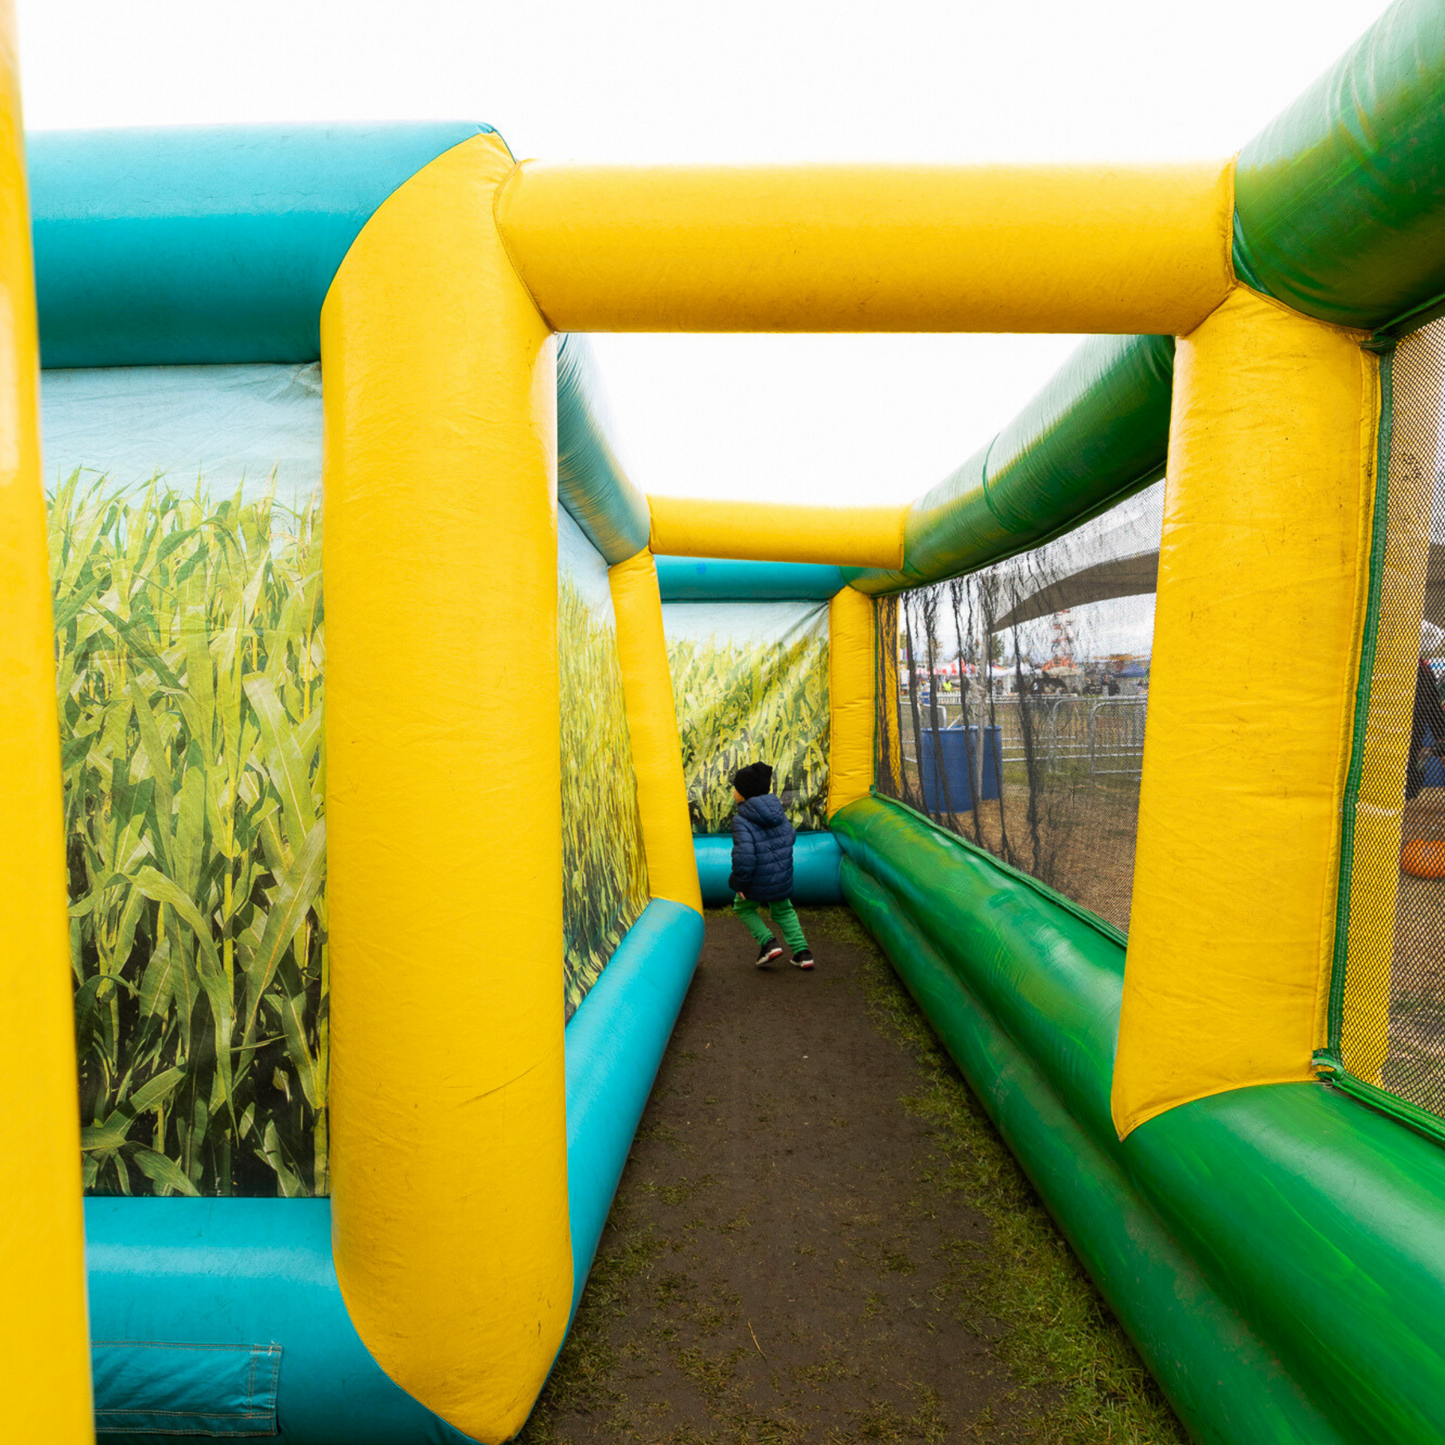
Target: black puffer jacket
x=762, y=850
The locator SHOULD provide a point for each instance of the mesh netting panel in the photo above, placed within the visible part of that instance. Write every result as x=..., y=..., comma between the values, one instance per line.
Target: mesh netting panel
x=1390, y=1014
x=1015, y=713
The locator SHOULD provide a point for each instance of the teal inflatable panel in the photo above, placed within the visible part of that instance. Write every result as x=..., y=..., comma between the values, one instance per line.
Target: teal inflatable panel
x=206, y=244
x=246, y=1274
x=182, y=1290
x=713, y=579
x=591, y=483
x=229, y=1390
x=815, y=868
x=1316, y=1221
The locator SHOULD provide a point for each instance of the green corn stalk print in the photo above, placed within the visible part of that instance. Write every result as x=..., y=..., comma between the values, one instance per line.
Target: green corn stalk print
x=743, y=702
x=604, y=869
x=191, y=691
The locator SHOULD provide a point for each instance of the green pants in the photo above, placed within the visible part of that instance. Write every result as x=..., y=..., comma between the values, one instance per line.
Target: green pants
x=781, y=912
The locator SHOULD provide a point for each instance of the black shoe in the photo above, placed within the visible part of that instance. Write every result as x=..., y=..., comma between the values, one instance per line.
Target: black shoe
x=803, y=958
x=767, y=952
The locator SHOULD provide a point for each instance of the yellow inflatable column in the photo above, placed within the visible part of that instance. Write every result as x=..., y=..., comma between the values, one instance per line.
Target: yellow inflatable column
x=444, y=803
x=852, y=683
x=1262, y=572
x=652, y=725
x=44, y=1336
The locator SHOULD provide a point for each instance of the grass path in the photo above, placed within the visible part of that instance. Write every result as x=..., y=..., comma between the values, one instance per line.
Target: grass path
x=820, y=1238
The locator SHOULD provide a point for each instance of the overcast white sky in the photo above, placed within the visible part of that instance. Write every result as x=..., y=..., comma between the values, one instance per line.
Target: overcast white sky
x=834, y=418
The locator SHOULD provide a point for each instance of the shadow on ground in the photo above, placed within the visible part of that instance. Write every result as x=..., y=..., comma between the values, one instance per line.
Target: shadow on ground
x=820, y=1238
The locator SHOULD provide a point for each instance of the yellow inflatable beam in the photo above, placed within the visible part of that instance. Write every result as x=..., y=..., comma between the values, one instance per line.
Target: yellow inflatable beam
x=1142, y=248
x=44, y=1334
x=852, y=683
x=443, y=801
x=777, y=532
x=652, y=726
x=1262, y=572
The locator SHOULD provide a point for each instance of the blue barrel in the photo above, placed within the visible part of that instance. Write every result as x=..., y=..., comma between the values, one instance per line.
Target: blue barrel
x=955, y=744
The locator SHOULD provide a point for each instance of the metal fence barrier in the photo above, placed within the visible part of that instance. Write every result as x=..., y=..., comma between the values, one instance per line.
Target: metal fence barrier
x=1106, y=733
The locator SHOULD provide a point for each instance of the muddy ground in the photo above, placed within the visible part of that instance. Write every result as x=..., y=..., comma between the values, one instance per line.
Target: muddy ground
x=819, y=1238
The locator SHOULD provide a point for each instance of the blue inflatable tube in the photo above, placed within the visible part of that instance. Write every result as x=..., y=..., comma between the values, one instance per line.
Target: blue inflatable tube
x=224, y=1317
x=182, y=1289
x=615, y=1043
x=815, y=868
x=712, y=579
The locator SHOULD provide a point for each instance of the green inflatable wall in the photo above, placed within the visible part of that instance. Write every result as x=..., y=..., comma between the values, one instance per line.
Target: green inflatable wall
x=1305, y=1306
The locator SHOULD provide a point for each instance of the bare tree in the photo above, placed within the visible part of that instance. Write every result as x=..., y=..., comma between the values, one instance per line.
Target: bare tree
x=988, y=599
x=908, y=610
x=930, y=600
x=959, y=591
x=890, y=743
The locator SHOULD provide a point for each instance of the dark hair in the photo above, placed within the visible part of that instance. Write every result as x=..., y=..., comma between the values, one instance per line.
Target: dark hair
x=754, y=779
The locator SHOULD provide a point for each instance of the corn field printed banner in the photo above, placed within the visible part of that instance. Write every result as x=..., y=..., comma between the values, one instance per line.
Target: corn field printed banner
x=604, y=871
x=750, y=680
x=186, y=566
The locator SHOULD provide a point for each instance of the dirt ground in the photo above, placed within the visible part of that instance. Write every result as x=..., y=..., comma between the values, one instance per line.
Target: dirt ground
x=819, y=1238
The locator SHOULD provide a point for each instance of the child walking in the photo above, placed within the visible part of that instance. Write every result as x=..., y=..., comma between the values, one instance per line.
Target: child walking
x=762, y=875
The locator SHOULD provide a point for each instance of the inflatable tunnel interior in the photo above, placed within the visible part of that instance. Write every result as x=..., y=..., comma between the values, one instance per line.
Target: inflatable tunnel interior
x=371, y=736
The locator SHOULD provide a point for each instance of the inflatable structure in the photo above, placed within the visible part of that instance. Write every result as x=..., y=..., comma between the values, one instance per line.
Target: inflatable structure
x=365, y=955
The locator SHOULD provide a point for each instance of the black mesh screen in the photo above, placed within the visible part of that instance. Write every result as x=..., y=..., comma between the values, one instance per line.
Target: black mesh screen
x=1013, y=711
